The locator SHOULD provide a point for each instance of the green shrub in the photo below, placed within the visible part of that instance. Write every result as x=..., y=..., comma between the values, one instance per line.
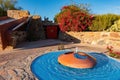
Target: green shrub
x=115, y=27
x=103, y=22
x=112, y=54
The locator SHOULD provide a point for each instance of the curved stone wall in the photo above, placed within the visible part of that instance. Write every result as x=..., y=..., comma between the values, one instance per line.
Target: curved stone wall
x=94, y=38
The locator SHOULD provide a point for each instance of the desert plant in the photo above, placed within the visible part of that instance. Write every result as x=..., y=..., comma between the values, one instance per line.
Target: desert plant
x=115, y=27
x=61, y=46
x=103, y=22
x=113, y=53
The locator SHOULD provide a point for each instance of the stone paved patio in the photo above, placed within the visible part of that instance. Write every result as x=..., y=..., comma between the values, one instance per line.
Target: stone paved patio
x=15, y=64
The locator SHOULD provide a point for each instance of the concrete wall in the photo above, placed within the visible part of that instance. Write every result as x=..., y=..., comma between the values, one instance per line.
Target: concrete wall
x=94, y=38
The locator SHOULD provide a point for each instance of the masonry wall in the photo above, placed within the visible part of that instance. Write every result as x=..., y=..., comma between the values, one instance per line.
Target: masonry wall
x=17, y=14
x=4, y=32
x=94, y=38
x=36, y=29
x=0, y=42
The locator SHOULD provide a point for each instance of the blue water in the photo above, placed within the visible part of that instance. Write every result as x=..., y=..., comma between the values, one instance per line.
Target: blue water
x=79, y=56
x=46, y=67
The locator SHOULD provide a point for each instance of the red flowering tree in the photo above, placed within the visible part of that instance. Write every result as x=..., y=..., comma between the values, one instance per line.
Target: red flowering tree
x=72, y=18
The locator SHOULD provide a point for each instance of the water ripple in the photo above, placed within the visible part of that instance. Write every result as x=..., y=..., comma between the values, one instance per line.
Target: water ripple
x=46, y=67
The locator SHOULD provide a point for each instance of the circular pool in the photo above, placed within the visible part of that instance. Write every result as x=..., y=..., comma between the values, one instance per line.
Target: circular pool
x=46, y=67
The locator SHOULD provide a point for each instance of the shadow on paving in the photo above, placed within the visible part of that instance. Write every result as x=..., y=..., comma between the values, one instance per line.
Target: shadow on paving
x=40, y=43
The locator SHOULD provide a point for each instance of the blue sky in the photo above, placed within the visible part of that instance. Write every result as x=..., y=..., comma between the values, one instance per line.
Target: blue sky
x=49, y=8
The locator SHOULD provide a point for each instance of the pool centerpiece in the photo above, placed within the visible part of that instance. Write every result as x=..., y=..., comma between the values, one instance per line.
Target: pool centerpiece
x=77, y=60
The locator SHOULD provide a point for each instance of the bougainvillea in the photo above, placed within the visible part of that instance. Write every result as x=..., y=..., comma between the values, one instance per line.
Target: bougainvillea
x=72, y=18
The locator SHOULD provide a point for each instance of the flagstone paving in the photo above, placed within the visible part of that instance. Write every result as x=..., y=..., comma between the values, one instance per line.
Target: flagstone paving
x=15, y=64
